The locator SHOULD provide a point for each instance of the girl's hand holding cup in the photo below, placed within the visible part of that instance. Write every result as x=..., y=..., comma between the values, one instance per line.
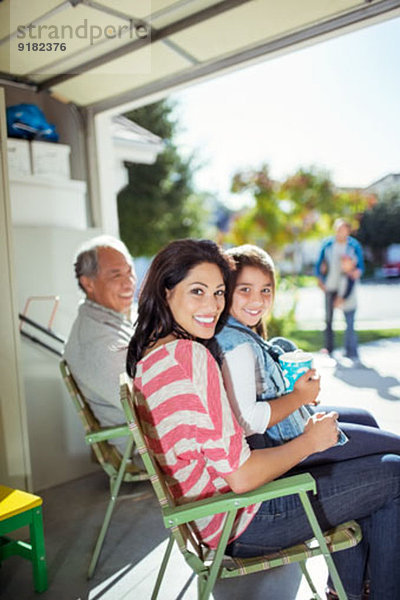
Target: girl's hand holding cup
x=309, y=386
x=300, y=376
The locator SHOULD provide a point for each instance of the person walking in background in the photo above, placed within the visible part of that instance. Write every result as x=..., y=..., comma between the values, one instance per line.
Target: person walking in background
x=339, y=266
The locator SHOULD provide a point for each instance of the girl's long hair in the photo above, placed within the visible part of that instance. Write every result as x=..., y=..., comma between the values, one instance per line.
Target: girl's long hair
x=170, y=266
x=252, y=256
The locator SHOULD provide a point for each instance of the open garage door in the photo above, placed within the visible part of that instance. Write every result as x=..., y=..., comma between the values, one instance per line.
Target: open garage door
x=104, y=54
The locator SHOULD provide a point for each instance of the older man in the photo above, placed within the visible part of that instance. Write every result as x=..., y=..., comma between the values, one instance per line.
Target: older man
x=339, y=266
x=97, y=345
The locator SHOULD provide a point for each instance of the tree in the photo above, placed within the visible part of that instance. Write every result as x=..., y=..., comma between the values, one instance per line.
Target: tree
x=391, y=195
x=159, y=203
x=380, y=227
x=303, y=206
x=264, y=223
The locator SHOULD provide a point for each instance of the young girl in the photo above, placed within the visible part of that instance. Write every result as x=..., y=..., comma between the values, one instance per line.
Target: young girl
x=202, y=450
x=253, y=376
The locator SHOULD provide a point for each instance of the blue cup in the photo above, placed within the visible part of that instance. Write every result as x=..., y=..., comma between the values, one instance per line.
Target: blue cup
x=294, y=364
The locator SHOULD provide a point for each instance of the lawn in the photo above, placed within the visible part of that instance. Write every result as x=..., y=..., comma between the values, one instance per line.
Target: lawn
x=313, y=340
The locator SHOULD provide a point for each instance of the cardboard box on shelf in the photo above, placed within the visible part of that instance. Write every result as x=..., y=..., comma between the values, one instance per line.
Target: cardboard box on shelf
x=45, y=202
x=19, y=158
x=50, y=159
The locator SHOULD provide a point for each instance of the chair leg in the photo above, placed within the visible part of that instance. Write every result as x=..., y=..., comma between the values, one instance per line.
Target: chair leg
x=310, y=582
x=112, y=481
x=201, y=584
x=38, y=550
x=323, y=545
x=219, y=555
x=107, y=518
x=164, y=563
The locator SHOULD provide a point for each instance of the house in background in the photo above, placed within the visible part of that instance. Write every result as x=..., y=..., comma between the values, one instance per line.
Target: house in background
x=389, y=182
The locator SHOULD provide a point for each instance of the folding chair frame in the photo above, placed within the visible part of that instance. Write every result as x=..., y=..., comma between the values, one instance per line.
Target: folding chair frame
x=118, y=468
x=211, y=566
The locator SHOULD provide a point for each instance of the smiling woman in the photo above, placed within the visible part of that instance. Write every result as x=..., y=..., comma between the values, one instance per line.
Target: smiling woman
x=183, y=296
x=197, y=302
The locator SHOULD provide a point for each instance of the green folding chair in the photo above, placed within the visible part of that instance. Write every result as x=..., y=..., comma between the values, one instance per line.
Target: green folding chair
x=19, y=509
x=118, y=467
x=212, y=565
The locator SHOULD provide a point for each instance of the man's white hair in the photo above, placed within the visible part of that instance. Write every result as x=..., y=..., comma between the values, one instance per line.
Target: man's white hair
x=86, y=261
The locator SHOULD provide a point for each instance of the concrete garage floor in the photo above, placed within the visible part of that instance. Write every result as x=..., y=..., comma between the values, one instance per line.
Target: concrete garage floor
x=73, y=513
x=131, y=555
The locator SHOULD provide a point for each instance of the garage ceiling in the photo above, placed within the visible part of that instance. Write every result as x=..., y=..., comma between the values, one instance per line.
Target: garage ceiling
x=120, y=51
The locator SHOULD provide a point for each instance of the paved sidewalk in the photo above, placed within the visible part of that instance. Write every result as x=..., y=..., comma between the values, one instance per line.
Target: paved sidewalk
x=378, y=306
x=375, y=385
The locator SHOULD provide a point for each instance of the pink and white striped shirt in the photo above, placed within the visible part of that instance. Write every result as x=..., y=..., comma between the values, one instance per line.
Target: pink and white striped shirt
x=191, y=429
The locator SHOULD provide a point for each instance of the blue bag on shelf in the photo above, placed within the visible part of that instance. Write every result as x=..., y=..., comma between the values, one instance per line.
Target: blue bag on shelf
x=28, y=122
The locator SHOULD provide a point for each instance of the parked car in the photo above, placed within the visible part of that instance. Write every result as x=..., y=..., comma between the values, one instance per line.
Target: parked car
x=391, y=269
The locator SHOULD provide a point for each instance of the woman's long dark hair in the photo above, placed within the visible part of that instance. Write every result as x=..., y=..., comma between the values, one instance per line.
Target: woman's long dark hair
x=170, y=266
x=252, y=256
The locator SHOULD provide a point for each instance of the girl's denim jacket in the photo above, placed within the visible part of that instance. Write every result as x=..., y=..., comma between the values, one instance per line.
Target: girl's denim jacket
x=269, y=375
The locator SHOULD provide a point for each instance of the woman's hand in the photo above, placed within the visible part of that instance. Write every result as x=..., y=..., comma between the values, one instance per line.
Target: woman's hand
x=306, y=390
x=307, y=387
x=322, y=431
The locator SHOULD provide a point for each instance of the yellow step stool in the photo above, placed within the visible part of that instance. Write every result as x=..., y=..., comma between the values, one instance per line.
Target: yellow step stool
x=18, y=509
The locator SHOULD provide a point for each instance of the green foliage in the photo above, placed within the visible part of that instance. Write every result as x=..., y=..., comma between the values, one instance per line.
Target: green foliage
x=281, y=325
x=264, y=224
x=303, y=206
x=313, y=341
x=300, y=281
x=380, y=227
x=159, y=204
x=282, y=321
x=309, y=193
x=156, y=117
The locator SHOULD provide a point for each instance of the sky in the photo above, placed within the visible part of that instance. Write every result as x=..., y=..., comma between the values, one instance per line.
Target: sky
x=334, y=105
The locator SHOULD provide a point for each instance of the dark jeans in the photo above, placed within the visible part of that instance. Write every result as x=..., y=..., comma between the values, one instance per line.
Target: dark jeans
x=365, y=437
x=350, y=341
x=360, y=480
x=363, y=441
x=366, y=489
